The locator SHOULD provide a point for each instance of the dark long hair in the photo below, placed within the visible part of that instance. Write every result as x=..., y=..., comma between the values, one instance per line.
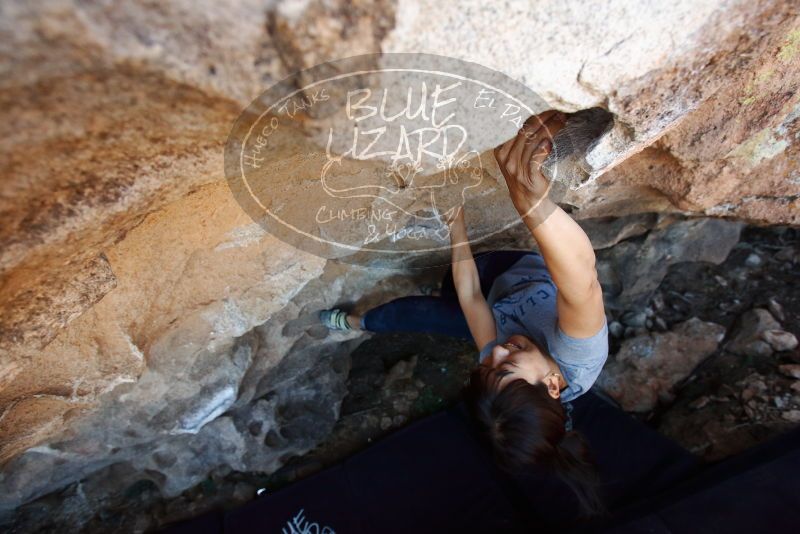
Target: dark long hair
x=524, y=426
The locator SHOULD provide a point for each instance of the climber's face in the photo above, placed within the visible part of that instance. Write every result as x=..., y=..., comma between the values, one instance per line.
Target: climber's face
x=519, y=357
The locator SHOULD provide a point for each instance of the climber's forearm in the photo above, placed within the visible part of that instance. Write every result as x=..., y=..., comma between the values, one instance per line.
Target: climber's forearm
x=465, y=272
x=570, y=260
x=566, y=249
x=468, y=286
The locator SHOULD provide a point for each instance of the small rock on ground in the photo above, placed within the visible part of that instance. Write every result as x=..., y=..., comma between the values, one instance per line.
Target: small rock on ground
x=780, y=340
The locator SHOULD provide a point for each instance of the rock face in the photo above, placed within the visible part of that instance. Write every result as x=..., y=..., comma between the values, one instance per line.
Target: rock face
x=145, y=318
x=647, y=367
x=631, y=272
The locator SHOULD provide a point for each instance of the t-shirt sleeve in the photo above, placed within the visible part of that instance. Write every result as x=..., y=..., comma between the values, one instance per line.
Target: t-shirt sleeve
x=580, y=359
x=587, y=352
x=486, y=350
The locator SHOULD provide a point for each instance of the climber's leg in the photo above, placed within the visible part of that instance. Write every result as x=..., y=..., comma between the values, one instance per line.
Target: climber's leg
x=432, y=315
x=429, y=314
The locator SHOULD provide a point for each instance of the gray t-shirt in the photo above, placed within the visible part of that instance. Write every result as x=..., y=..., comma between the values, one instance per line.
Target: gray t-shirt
x=523, y=301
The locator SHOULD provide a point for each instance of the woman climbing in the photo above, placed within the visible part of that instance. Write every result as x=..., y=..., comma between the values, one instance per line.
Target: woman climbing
x=537, y=320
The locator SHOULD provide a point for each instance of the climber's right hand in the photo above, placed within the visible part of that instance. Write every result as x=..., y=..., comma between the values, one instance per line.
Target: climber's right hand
x=521, y=157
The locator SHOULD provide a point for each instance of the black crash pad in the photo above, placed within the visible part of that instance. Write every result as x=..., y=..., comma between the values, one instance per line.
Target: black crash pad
x=433, y=476
x=757, y=491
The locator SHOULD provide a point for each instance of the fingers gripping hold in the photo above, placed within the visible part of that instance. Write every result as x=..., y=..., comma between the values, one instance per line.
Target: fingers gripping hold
x=515, y=154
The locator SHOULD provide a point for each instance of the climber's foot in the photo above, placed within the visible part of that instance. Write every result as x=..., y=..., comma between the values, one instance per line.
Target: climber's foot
x=337, y=319
x=429, y=290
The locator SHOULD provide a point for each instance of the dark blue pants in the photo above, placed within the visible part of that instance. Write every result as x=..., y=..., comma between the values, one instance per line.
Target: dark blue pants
x=442, y=314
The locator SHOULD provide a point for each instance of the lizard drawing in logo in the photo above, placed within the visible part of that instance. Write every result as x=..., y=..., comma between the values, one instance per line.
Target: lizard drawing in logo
x=425, y=200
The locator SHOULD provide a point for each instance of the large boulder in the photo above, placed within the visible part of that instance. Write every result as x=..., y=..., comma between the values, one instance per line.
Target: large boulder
x=143, y=311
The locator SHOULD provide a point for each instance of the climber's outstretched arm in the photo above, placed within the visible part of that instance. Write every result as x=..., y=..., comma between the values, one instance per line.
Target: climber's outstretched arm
x=565, y=247
x=468, y=285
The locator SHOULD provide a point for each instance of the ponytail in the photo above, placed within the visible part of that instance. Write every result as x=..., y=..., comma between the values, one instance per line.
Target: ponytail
x=572, y=463
x=524, y=425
